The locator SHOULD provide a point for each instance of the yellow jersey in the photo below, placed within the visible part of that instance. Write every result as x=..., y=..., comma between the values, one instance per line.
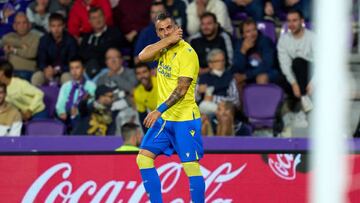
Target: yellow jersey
x=146, y=100
x=179, y=60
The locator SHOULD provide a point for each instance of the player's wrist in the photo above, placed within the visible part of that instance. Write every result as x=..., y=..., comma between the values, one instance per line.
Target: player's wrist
x=162, y=108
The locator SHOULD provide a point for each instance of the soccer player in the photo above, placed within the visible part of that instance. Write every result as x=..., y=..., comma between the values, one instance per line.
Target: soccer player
x=175, y=125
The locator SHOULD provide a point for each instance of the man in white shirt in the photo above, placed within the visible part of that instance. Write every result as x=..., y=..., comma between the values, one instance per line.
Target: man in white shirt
x=198, y=7
x=295, y=55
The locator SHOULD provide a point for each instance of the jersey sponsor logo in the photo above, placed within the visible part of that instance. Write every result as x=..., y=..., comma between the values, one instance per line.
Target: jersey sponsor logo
x=163, y=69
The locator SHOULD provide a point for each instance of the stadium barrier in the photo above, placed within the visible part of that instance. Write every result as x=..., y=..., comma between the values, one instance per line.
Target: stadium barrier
x=86, y=169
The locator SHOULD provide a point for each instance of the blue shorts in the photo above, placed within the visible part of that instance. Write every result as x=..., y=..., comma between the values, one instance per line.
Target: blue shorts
x=184, y=137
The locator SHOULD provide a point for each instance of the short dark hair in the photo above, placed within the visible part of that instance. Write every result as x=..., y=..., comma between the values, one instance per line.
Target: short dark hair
x=140, y=65
x=7, y=68
x=56, y=17
x=247, y=21
x=3, y=86
x=157, y=3
x=114, y=48
x=209, y=14
x=76, y=58
x=163, y=16
x=128, y=130
x=296, y=11
x=95, y=9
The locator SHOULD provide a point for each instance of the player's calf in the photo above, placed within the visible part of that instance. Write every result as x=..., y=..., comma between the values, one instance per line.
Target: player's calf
x=197, y=183
x=150, y=177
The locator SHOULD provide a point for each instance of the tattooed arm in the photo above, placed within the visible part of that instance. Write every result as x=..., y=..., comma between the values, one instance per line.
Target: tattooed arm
x=179, y=92
x=177, y=95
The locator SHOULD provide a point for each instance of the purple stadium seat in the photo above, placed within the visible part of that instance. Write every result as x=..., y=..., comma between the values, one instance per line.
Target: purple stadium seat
x=50, y=97
x=45, y=127
x=268, y=29
x=241, y=16
x=261, y=103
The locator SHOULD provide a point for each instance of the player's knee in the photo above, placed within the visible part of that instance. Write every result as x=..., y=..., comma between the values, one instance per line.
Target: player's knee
x=144, y=161
x=192, y=168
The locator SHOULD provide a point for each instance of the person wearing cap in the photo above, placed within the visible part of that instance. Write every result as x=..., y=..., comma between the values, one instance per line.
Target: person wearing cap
x=96, y=117
x=131, y=135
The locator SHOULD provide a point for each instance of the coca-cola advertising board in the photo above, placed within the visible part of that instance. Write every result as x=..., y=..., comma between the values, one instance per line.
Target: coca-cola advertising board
x=115, y=178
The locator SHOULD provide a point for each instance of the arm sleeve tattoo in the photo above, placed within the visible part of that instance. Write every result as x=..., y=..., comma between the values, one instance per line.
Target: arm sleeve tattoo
x=180, y=91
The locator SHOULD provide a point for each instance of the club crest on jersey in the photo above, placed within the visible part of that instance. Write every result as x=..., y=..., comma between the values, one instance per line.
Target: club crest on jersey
x=174, y=56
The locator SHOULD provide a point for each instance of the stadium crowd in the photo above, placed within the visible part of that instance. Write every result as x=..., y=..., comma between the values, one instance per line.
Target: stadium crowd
x=85, y=52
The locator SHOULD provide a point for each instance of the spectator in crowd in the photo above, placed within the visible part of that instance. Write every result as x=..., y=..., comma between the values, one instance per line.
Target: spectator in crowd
x=145, y=94
x=227, y=123
x=96, y=117
x=253, y=8
x=20, y=93
x=10, y=117
x=8, y=11
x=198, y=7
x=61, y=6
x=211, y=36
x=55, y=50
x=21, y=47
x=95, y=44
x=215, y=85
x=177, y=9
x=148, y=34
x=123, y=81
x=38, y=14
x=79, y=23
x=73, y=92
x=116, y=75
x=295, y=56
x=131, y=135
x=129, y=21
x=254, y=57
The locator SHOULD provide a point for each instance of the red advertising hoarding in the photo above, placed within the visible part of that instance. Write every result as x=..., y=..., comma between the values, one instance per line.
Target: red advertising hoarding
x=115, y=178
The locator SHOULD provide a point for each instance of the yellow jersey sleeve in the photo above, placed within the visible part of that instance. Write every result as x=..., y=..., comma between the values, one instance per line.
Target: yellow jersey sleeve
x=189, y=63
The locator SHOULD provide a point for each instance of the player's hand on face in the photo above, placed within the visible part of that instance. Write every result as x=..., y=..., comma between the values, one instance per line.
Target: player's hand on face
x=175, y=36
x=151, y=118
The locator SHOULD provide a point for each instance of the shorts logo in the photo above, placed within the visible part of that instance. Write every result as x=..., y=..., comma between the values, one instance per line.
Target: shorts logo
x=187, y=154
x=192, y=132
